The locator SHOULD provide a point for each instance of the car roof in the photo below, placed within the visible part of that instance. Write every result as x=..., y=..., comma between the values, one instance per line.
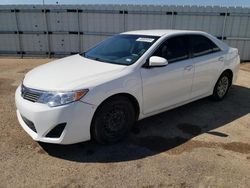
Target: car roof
x=169, y=32
x=161, y=32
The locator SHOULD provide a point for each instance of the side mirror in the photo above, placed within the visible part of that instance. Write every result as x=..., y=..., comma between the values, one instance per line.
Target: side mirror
x=156, y=61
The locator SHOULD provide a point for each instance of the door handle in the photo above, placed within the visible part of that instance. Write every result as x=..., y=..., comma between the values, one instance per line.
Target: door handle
x=189, y=67
x=221, y=59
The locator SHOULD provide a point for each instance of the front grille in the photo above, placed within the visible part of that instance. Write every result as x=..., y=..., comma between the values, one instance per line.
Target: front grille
x=33, y=97
x=30, y=94
x=29, y=123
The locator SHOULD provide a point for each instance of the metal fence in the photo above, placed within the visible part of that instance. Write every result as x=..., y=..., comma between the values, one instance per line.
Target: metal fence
x=50, y=30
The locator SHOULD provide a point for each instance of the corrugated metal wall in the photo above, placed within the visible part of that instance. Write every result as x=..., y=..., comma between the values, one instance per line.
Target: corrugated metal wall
x=67, y=29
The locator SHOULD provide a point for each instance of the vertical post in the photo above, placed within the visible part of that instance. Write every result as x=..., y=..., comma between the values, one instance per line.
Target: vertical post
x=18, y=34
x=79, y=37
x=124, y=20
x=47, y=32
x=172, y=20
x=224, y=26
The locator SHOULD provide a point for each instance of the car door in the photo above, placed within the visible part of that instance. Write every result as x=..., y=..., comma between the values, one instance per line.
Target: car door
x=208, y=59
x=171, y=84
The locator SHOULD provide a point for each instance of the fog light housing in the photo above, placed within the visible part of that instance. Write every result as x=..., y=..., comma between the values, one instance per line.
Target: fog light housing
x=56, y=131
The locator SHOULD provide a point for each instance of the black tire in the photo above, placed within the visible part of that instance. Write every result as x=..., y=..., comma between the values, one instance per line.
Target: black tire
x=113, y=120
x=221, y=87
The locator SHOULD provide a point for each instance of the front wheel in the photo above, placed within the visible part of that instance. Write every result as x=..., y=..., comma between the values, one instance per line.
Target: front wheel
x=222, y=86
x=113, y=120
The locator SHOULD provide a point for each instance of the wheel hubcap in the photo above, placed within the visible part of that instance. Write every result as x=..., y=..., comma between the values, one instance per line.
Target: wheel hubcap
x=114, y=121
x=222, y=86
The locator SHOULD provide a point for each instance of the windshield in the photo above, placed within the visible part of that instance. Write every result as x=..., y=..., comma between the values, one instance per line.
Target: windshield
x=121, y=49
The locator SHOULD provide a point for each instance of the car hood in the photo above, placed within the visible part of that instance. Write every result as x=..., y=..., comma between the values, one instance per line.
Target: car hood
x=70, y=73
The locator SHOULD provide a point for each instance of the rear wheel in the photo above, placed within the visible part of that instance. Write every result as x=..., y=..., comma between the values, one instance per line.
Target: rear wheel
x=113, y=120
x=221, y=87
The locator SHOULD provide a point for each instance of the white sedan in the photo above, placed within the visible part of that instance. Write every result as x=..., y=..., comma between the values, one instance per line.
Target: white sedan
x=101, y=93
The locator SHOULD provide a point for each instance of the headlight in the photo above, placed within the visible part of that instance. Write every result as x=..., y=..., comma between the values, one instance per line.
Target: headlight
x=61, y=98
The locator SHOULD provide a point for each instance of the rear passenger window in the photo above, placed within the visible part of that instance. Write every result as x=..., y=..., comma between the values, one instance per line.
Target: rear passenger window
x=201, y=45
x=174, y=49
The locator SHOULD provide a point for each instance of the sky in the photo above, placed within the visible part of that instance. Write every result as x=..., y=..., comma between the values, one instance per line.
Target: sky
x=244, y=3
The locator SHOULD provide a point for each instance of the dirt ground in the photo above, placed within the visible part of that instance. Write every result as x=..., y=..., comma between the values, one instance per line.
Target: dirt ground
x=202, y=144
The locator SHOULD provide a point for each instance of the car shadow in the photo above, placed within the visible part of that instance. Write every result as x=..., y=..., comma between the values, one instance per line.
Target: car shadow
x=162, y=132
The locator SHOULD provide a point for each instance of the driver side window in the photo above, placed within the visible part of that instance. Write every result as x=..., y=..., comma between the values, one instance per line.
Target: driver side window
x=173, y=49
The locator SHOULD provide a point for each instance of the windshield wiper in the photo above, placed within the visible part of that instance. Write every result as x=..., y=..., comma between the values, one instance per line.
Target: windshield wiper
x=97, y=59
x=94, y=58
x=101, y=60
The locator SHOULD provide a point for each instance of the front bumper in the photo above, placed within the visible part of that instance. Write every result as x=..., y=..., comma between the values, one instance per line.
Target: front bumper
x=77, y=116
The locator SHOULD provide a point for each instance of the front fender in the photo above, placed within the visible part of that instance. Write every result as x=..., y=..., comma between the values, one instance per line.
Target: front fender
x=128, y=84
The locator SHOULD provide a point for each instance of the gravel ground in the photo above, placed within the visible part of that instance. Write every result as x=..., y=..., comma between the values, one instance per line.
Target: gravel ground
x=202, y=144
